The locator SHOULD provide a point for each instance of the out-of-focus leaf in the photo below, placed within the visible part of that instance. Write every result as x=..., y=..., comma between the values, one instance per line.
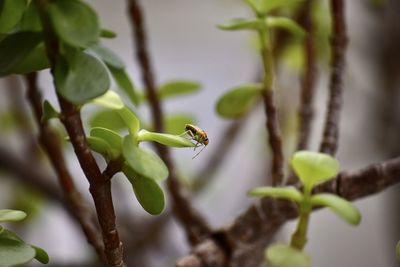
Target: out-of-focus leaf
x=175, y=123
x=108, y=56
x=313, y=167
x=285, y=23
x=74, y=22
x=106, y=33
x=242, y=24
x=16, y=47
x=143, y=161
x=289, y=193
x=13, y=251
x=280, y=255
x=7, y=215
x=49, y=112
x=108, y=118
x=10, y=14
x=30, y=20
x=178, y=87
x=125, y=84
x=80, y=77
x=266, y=6
x=41, y=255
x=340, y=206
x=36, y=60
x=239, y=100
x=100, y=146
x=147, y=191
x=130, y=119
x=109, y=100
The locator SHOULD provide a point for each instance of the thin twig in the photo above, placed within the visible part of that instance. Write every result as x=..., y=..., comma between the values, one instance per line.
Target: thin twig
x=100, y=187
x=194, y=224
x=272, y=122
x=308, y=80
x=247, y=237
x=51, y=144
x=329, y=143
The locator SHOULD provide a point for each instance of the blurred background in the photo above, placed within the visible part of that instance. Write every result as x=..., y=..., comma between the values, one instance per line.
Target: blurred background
x=185, y=43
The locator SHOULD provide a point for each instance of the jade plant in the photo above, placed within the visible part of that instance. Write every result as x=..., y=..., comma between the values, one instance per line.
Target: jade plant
x=312, y=168
x=13, y=250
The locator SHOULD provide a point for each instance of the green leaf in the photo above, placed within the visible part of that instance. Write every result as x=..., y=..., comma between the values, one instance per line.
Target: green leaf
x=13, y=251
x=165, y=139
x=108, y=118
x=130, y=119
x=242, y=24
x=147, y=191
x=265, y=6
x=36, y=60
x=74, y=22
x=280, y=255
x=109, y=100
x=49, y=112
x=125, y=84
x=313, y=167
x=143, y=161
x=286, y=23
x=7, y=215
x=80, y=77
x=41, y=254
x=239, y=100
x=398, y=251
x=113, y=139
x=175, y=124
x=10, y=14
x=178, y=87
x=289, y=193
x=106, y=33
x=108, y=56
x=340, y=206
x=15, y=47
x=100, y=146
x=30, y=20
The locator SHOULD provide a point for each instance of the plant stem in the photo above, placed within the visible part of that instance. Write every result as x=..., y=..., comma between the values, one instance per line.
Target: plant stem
x=299, y=237
x=100, y=187
x=273, y=129
x=195, y=225
x=329, y=143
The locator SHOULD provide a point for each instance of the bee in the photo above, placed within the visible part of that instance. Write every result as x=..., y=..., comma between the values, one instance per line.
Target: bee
x=197, y=135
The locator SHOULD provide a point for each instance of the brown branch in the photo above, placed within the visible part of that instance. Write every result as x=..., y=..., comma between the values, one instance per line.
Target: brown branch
x=329, y=143
x=194, y=224
x=246, y=238
x=100, y=187
x=51, y=144
x=308, y=80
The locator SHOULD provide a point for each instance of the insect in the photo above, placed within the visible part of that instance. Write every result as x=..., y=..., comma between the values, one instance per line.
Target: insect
x=197, y=135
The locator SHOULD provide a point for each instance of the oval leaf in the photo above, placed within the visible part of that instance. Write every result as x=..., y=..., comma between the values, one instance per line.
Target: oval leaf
x=80, y=77
x=289, y=193
x=313, y=167
x=241, y=24
x=109, y=100
x=13, y=251
x=287, y=24
x=113, y=139
x=165, y=139
x=143, y=161
x=74, y=22
x=147, y=191
x=36, y=60
x=109, y=119
x=16, y=47
x=266, y=6
x=49, y=112
x=340, y=206
x=10, y=14
x=178, y=87
x=280, y=255
x=7, y=215
x=100, y=146
x=41, y=254
x=106, y=33
x=238, y=101
x=30, y=20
